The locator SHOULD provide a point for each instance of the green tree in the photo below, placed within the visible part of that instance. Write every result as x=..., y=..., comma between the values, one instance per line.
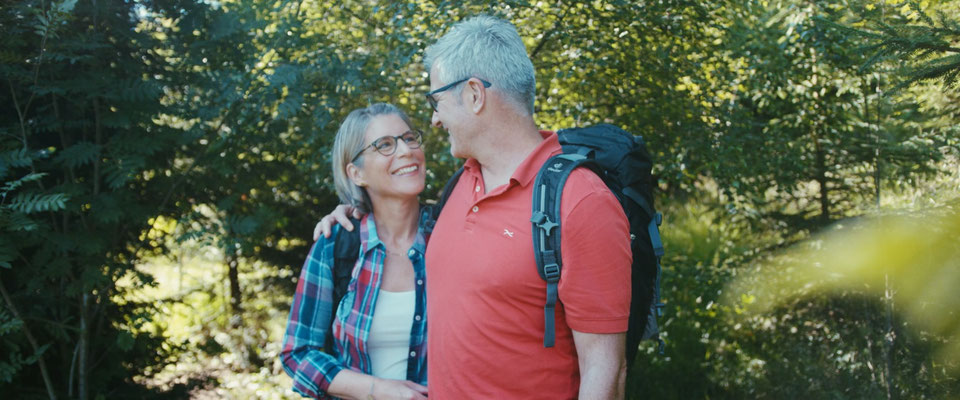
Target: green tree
x=84, y=169
x=803, y=113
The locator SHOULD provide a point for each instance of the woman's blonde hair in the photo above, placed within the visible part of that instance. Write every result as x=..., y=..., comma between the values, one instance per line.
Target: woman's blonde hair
x=350, y=139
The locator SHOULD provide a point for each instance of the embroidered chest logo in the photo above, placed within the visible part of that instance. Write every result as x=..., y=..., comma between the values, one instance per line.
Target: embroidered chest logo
x=507, y=233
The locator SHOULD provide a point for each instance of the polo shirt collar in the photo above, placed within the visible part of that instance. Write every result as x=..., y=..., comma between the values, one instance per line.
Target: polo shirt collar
x=528, y=169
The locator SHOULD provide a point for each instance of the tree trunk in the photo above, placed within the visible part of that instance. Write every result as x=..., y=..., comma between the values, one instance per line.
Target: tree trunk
x=82, y=376
x=241, y=341
x=236, y=300
x=821, y=168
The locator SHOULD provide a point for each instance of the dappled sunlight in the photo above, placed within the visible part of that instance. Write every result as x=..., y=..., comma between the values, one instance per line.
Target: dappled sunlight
x=193, y=312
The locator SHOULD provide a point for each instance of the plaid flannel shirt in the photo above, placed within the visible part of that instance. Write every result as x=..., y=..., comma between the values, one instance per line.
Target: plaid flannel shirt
x=312, y=367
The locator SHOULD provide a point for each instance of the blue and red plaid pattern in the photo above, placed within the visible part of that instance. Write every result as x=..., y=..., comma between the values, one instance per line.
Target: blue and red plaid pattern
x=311, y=367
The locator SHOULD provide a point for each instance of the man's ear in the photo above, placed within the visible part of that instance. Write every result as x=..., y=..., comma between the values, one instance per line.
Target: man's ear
x=478, y=95
x=356, y=175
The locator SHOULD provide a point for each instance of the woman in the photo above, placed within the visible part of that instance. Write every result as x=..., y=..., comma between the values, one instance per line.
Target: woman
x=379, y=327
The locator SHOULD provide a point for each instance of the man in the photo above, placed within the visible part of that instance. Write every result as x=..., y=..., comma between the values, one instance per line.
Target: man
x=485, y=299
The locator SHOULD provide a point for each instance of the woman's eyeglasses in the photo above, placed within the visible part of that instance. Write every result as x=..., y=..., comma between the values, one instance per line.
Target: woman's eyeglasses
x=387, y=145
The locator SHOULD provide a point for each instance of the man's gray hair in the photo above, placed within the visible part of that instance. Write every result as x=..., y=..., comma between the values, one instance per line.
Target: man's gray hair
x=490, y=49
x=350, y=139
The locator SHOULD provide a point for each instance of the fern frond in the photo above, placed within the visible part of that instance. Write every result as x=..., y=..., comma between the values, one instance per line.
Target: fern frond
x=80, y=153
x=14, y=159
x=8, y=253
x=123, y=170
x=14, y=221
x=290, y=106
x=13, y=185
x=7, y=322
x=29, y=203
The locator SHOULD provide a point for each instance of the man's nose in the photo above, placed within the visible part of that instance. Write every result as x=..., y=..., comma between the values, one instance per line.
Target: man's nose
x=435, y=120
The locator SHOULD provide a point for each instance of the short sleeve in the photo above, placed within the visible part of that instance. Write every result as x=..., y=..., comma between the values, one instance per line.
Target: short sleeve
x=595, y=245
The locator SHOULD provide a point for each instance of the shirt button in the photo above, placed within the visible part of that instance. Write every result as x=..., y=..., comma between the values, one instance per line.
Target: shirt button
x=413, y=354
x=416, y=317
x=412, y=252
x=420, y=281
x=475, y=208
x=476, y=189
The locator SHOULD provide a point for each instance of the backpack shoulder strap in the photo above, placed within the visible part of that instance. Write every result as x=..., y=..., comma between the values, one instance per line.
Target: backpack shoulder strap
x=346, y=249
x=430, y=213
x=547, y=191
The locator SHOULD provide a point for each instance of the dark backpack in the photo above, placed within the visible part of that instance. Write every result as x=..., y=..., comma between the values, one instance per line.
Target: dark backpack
x=624, y=164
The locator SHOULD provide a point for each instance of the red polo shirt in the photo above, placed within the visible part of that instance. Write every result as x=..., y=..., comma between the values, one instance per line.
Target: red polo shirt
x=485, y=298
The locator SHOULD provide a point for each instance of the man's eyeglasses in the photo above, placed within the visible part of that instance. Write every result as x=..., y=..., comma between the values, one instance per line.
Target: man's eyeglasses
x=433, y=101
x=387, y=145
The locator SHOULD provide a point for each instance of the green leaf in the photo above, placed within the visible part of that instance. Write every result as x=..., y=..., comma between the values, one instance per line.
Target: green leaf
x=29, y=203
x=8, y=253
x=15, y=221
x=13, y=185
x=79, y=154
x=14, y=159
x=125, y=341
x=66, y=6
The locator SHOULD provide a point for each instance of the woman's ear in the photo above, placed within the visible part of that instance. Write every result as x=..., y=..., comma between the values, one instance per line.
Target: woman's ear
x=356, y=175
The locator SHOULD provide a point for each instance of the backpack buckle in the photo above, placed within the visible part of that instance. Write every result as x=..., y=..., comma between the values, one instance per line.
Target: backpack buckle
x=551, y=272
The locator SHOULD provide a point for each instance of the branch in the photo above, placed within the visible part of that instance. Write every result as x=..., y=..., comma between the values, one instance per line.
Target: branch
x=33, y=343
x=546, y=36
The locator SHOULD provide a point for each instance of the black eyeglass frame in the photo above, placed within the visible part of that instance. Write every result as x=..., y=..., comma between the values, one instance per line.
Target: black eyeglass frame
x=433, y=102
x=396, y=143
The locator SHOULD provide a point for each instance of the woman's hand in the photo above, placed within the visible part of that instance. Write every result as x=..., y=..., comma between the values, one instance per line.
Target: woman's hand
x=338, y=216
x=391, y=389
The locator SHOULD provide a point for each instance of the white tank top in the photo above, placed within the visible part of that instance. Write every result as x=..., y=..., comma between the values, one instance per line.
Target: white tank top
x=389, y=340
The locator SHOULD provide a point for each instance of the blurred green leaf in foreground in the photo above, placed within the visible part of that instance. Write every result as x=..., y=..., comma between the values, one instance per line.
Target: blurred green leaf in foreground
x=912, y=261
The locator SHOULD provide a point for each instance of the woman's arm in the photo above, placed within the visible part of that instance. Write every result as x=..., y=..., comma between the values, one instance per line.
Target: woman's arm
x=353, y=385
x=311, y=316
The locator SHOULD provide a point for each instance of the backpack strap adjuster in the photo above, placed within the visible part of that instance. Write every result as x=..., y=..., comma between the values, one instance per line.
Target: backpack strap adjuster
x=551, y=272
x=543, y=222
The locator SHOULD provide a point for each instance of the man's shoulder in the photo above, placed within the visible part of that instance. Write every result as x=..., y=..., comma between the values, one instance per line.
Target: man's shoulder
x=582, y=183
x=585, y=195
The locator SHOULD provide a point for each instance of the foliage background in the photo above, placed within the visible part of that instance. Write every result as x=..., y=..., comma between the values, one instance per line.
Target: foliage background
x=163, y=162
